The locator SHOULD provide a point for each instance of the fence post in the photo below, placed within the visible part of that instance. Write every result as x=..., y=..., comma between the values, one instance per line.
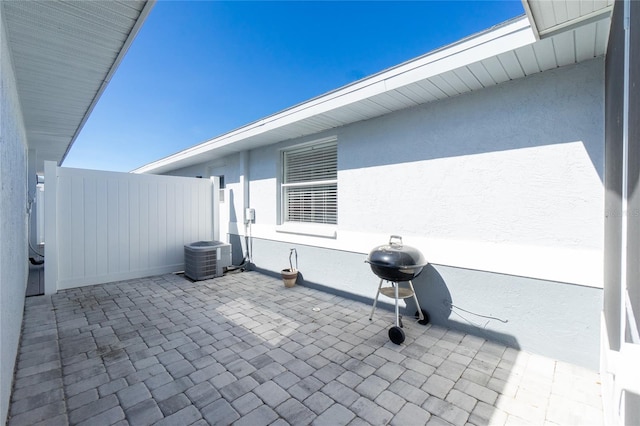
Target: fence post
x=215, y=208
x=50, y=227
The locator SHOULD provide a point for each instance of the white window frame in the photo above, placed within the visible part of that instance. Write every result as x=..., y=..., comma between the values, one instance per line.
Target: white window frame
x=302, y=227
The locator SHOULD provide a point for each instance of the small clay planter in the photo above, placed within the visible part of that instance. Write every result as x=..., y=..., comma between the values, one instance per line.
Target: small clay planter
x=290, y=275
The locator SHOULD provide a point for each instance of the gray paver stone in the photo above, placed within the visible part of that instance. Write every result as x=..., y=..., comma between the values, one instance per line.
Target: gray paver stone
x=146, y=412
x=350, y=379
x=35, y=401
x=409, y=392
x=286, y=380
x=169, y=357
x=390, y=371
x=207, y=373
x=262, y=415
x=390, y=355
x=203, y=394
x=272, y=394
x=93, y=408
x=411, y=414
x=147, y=373
x=106, y=418
x=446, y=410
x=81, y=399
x=37, y=414
x=238, y=388
x=51, y=376
x=180, y=368
x=461, y=400
x=58, y=420
x=87, y=384
x=318, y=402
x=336, y=415
x=220, y=412
x=268, y=372
x=173, y=404
x=450, y=370
x=329, y=372
x=413, y=378
x=246, y=403
x=438, y=386
x=133, y=395
x=185, y=416
x=240, y=368
x=390, y=401
x=295, y=412
x=158, y=380
x=305, y=387
x=437, y=421
x=222, y=379
x=479, y=392
x=371, y=412
x=372, y=386
x=339, y=392
x=299, y=368
x=121, y=369
x=112, y=387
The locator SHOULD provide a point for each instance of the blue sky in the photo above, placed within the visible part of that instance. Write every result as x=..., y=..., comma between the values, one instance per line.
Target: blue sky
x=198, y=69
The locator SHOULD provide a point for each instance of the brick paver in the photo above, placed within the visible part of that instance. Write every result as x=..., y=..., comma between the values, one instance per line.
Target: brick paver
x=244, y=349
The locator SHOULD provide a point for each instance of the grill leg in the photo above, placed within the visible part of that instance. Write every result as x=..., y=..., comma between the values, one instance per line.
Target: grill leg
x=373, y=309
x=397, y=308
x=416, y=300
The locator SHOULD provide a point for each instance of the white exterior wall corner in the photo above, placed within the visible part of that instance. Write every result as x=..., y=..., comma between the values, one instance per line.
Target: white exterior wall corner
x=13, y=221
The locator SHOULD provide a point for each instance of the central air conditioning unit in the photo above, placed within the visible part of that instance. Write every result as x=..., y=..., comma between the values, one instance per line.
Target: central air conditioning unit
x=206, y=259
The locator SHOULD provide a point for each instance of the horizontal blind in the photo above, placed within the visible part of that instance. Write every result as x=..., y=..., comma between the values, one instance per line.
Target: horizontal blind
x=310, y=186
x=311, y=164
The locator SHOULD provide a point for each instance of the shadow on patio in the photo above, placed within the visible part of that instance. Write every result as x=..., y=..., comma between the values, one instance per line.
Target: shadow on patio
x=243, y=349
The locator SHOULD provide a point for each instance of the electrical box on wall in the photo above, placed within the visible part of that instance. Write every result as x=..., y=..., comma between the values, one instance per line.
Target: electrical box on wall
x=250, y=215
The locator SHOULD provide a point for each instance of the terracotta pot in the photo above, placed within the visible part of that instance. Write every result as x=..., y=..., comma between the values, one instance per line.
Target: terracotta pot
x=289, y=277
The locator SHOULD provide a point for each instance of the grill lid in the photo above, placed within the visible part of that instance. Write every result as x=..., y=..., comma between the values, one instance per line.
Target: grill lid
x=396, y=255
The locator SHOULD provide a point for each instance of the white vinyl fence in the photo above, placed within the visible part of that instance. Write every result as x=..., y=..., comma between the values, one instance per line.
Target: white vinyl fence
x=107, y=226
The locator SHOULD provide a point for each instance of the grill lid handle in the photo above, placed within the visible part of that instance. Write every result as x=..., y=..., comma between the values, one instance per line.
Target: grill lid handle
x=395, y=237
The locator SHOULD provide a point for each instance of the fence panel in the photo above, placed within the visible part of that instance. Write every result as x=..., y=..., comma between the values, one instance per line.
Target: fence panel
x=108, y=226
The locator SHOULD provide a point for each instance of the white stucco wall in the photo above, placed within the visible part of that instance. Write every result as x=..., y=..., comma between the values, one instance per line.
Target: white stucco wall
x=506, y=179
x=13, y=222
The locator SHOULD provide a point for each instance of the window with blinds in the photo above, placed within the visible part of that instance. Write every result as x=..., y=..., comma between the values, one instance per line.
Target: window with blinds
x=310, y=184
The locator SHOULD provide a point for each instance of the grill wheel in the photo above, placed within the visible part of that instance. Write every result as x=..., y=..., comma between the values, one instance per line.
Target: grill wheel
x=396, y=335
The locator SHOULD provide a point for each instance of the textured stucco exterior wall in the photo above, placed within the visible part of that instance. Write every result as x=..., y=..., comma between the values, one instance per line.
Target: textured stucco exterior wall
x=501, y=189
x=507, y=179
x=13, y=221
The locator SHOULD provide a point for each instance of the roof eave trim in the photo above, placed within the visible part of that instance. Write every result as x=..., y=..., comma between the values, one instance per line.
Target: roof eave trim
x=125, y=48
x=532, y=21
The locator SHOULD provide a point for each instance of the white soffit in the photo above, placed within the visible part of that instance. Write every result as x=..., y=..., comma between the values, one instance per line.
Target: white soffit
x=549, y=17
x=64, y=54
x=506, y=52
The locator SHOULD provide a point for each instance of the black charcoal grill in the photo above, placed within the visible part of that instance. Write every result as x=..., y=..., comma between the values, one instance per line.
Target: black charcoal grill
x=396, y=263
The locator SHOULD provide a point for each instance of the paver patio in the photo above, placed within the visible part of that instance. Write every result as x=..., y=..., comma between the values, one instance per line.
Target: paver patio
x=244, y=349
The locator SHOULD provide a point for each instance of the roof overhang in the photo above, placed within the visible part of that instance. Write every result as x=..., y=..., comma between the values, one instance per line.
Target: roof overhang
x=509, y=51
x=549, y=17
x=64, y=55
